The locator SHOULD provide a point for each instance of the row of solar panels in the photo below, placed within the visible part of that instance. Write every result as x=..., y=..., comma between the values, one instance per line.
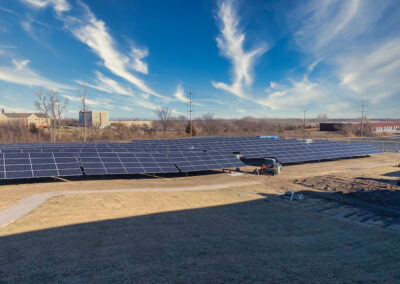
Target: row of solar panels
x=35, y=165
x=313, y=152
x=148, y=143
x=161, y=156
x=223, y=147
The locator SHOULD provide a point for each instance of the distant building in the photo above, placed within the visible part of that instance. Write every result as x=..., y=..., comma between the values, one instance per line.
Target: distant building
x=27, y=119
x=137, y=123
x=94, y=118
x=377, y=127
x=389, y=127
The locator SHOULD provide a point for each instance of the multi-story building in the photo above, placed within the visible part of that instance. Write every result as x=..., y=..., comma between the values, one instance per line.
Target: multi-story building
x=93, y=118
x=27, y=119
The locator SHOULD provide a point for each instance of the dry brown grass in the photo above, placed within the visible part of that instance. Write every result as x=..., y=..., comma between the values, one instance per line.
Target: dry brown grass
x=10, y=194
x=187, y=237
x=76, y=208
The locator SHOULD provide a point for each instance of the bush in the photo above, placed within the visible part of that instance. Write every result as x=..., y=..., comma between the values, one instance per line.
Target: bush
x=33, y=129
x=187, y=130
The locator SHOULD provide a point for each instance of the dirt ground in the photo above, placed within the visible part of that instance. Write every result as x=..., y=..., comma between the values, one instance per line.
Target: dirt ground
x=238, y=234
x=372, y=190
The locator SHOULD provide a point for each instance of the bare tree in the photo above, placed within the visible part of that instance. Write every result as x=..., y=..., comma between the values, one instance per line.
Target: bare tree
x=50, y=103
x=60, y=109
x=42, y=104
x=210, y=124
x=164, y=115
x=84, y=109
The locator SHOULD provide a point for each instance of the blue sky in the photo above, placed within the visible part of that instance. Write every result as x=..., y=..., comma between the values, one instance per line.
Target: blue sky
x=241, y=58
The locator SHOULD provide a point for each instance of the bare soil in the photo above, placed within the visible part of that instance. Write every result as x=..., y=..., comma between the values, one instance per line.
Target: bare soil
x=372, y=191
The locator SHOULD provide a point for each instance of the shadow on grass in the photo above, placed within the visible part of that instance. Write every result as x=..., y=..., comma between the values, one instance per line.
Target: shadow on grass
x=392, y=174
x=381, y=180
x=106, y=177
x=253, y=241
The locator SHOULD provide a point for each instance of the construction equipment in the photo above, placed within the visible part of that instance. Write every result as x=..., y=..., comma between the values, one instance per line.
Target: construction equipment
x=270, y=166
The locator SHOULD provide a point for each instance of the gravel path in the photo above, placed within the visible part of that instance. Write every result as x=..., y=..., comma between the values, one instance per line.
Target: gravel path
x=30, y=203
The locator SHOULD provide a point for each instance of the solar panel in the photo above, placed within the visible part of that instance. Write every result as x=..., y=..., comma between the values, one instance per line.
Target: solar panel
x=125, y=163
x=163, y=155
x=199, y=161
x=35, y=165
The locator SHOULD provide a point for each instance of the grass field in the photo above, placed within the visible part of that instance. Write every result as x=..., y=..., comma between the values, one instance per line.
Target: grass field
x=244, y=240
x=238, y=234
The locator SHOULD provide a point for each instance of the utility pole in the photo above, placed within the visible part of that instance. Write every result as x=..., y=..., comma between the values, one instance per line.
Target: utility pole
x=363, y=114
x=304, y=125
x=190, y=110
x=84, y=108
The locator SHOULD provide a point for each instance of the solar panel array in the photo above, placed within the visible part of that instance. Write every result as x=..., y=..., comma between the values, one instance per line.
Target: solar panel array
x=35, y=165
x=162, y=156
x=200, y=161
x=98, y=163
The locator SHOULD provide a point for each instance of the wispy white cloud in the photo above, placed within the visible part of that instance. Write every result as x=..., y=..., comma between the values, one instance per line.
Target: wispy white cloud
x=58, y=5
x=319, y=22
x=108, y=85
x=78, y=100
x=37, y=30
x=15, y=109
x=94, y=33
x=358, y=55
x=146, y=104
x=21, y=74
x=3, y=28
x=372, y=75
x=137, y=63
x=126, y=108
x=230, y=42
x=181, y=97
x=298, y=94
x=180, y=94
x=103, y=103
x=9, y=11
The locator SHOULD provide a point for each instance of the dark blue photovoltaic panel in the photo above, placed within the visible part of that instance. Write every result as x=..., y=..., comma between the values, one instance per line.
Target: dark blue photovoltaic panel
x=163, y=155
x=45, y=173
x=44, y=167
x=16, y=168
x=126, y=163
x=69, y=172
x=95, y=171
x=34, y=165
x=42, y=161
x=19, y=174
x=199, y=161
